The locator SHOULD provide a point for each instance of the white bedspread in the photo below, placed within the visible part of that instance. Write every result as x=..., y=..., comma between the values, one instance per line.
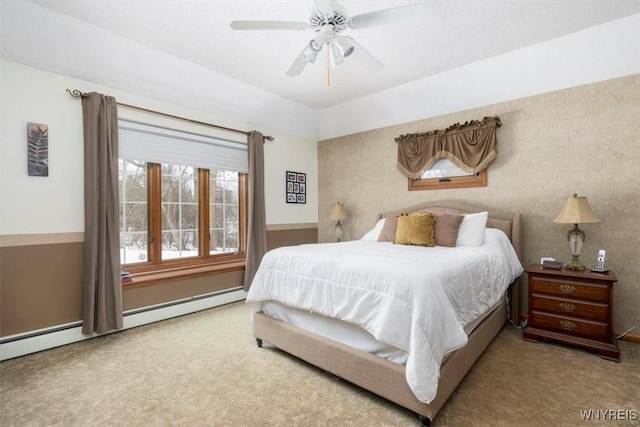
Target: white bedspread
x=416, y=298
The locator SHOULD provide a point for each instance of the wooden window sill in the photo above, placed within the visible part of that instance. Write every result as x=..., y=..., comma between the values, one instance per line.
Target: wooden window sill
x=478, y=180
x=150, y=278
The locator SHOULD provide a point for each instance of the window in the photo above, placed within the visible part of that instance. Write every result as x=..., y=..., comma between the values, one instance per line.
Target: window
x=181, y=224
x=224, y=211
x=179, y=211
x=177, y=215
x=446, y=174
x=444, y=168
x=133, y=211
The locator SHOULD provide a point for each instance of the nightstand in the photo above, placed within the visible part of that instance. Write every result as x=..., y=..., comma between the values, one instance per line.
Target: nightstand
x=572, y=307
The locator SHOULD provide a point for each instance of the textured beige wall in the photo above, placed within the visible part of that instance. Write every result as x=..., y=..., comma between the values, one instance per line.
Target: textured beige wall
x=583, y=140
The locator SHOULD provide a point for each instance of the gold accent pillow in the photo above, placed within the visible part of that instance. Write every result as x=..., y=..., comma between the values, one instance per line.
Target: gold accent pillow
x=416, y=229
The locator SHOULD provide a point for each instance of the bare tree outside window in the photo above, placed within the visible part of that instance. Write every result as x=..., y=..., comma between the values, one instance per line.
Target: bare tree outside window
x=224, y=218
x=179, y=211
x=133, y=211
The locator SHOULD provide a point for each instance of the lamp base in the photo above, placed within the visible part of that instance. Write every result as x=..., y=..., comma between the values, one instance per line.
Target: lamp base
x=575, y=264
x=338, y=231
x=576, y=238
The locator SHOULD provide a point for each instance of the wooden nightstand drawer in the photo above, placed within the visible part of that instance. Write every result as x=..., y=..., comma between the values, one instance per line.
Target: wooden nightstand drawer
x=570, y=325
x=566, y=288
x=570, y=307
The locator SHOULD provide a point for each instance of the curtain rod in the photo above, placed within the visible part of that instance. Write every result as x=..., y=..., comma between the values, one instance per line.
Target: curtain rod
x=78, y=94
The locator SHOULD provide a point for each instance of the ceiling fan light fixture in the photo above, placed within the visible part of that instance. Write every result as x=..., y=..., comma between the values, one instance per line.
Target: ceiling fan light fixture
x=335, y=55
x=315, y=45
x=311, y=53
x=345, y=45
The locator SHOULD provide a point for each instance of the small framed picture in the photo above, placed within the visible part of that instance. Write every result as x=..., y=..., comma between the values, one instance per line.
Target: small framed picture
x=296, y=187
x=38, y=149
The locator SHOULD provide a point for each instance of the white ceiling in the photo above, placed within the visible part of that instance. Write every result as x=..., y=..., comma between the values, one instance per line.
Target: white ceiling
x=448, y=34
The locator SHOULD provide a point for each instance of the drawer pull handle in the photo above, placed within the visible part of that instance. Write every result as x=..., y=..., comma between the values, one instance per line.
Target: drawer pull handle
x=567, y=289
x=567, y=325
x=569, y=308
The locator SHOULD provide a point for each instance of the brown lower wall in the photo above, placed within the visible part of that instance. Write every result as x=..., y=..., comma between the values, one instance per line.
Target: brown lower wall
x=172, y=291
x=41, y=285
x=278, y=238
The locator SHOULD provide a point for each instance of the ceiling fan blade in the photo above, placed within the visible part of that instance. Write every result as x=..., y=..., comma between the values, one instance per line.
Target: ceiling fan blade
x=363, y=57
x=298, y=65
x=386, y=16
x=325, y=6
x=269, y=25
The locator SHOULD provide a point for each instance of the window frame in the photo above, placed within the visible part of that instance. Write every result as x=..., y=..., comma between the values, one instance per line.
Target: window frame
x=157, y=270
x=480, y=179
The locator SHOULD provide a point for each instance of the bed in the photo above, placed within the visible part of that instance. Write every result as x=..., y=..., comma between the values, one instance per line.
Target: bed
x=371, y=330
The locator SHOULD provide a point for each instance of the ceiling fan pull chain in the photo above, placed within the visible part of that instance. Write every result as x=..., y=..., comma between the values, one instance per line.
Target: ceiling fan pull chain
x=328, y=70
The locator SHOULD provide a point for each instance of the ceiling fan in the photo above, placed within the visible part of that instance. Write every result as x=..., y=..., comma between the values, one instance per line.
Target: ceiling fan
x=329, y=19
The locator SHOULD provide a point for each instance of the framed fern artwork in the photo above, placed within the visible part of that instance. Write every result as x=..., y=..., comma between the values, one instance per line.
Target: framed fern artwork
x=38, y=146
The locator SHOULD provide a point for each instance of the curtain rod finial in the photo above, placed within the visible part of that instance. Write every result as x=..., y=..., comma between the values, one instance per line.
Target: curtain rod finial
x=76, y=93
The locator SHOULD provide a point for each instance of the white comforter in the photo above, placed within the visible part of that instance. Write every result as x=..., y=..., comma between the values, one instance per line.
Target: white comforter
x=416, y=298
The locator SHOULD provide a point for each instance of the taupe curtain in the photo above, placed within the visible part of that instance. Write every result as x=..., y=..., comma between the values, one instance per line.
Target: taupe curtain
x=471, y=146
x=102, y=288
x=257, y=233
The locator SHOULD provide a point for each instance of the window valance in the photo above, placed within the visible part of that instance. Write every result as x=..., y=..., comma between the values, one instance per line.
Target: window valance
x=471, y=146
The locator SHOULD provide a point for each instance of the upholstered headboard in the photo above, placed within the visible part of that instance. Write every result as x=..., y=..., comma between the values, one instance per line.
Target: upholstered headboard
x=508, y=222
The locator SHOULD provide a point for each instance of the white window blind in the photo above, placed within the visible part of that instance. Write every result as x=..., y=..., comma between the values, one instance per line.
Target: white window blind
x=137, y=141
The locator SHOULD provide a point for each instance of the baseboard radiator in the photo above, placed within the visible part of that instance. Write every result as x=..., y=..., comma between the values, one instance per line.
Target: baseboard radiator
x=42, y=339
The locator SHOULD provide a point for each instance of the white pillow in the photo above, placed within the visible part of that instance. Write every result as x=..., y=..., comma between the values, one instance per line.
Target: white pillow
x=372, y=235
x=471, y=231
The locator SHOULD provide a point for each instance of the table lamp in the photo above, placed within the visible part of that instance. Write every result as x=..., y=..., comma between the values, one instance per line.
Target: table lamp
x=576, y=210
x=338, y=214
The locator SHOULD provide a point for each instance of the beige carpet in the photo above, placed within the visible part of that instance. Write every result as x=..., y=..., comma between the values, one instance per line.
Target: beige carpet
x=205, y=370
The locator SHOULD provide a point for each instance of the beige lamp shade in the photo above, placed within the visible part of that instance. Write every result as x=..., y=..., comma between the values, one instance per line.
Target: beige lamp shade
x=576, y=210
x=338, y=213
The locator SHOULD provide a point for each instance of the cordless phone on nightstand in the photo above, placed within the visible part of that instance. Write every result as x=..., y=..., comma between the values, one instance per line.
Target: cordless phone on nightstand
x=600, y=268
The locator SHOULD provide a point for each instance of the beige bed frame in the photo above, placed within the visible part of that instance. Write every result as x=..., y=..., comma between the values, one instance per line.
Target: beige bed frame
x=385, y=378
